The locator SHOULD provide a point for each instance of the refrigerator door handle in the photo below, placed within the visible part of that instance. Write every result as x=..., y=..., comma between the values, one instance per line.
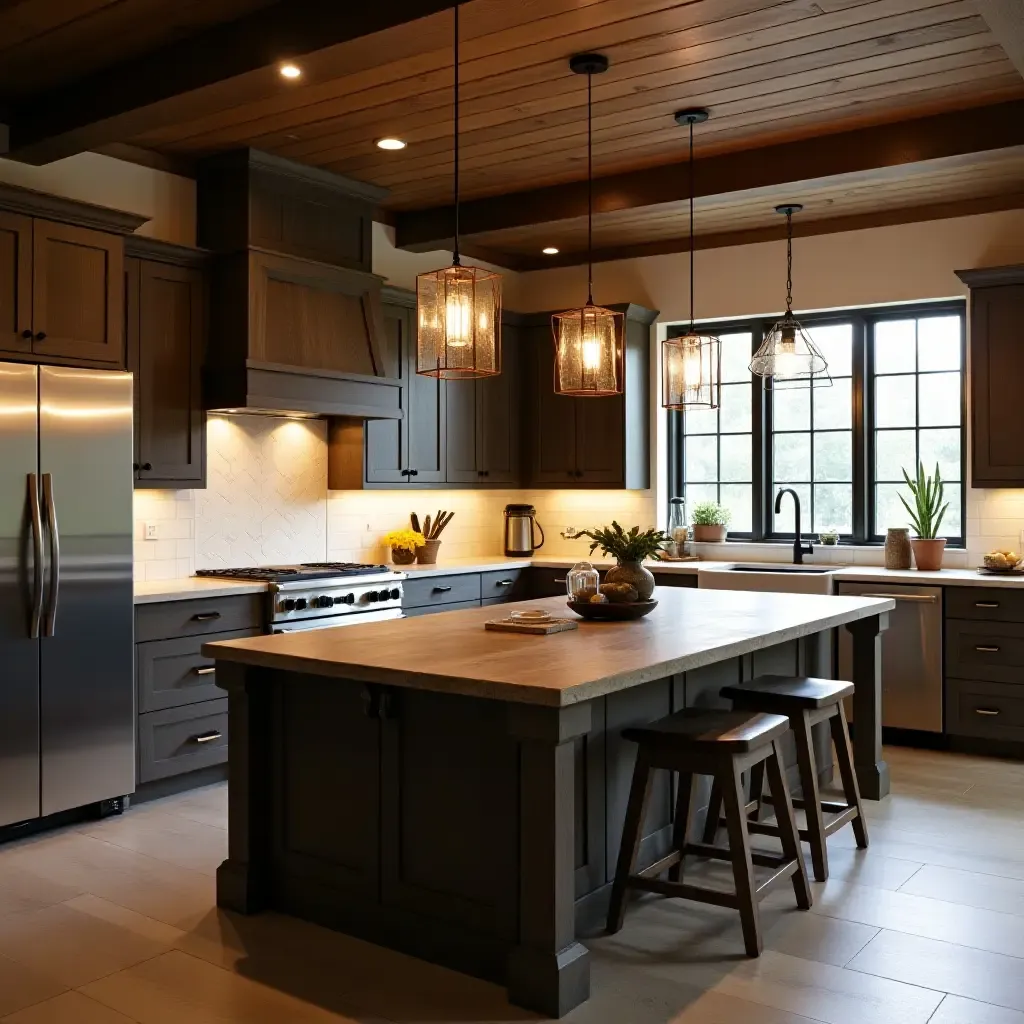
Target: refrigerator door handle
x=50, y=624
x=37, y=556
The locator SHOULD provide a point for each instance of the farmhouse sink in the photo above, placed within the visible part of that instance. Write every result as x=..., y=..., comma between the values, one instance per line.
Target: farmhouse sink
x=768, y=577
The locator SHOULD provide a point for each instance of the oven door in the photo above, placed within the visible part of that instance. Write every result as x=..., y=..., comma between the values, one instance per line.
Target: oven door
x=331, y=621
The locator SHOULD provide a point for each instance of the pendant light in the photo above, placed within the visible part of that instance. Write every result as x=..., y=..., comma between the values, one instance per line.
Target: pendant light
x=589, y=355
x=691, y=364
x=458, y=308
x=787, y=357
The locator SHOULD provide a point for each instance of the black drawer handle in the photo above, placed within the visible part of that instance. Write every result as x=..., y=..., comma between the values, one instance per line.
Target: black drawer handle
x=205, y=616
x=207, y=737
x=27, y=334
x=987, y=650
x=414, y=472
x=441, y=590
x=986, y=711
x=986, y=604
x=204, y=670
x=40, y=335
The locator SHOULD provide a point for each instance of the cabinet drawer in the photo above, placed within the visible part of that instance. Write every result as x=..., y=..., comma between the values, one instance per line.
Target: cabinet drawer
x=504, y=584
x=171, y=673
x=199, y=616
x=433, y=609
x=180, y=740
x=985, y=650
x=675, y=579
x=993, y=710
x=548, y=583
x=994, y=604
x=436, y=590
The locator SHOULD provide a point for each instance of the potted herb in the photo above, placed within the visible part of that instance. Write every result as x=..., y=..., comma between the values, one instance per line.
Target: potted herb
x=629, y=549
x=709, y=522
x=926, y=518
x=403, y=544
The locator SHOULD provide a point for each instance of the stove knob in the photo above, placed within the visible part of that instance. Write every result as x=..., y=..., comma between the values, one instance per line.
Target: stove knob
x=288, y=605
x=348, y=599
x=395, y=594
x=300, y=603
x=327, y=602
x=372, y=595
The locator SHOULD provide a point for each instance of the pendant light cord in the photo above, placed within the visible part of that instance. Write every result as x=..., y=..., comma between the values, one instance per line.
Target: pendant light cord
x=590, y=189
x=692, y=190
x=789, y=262
x=455, y=252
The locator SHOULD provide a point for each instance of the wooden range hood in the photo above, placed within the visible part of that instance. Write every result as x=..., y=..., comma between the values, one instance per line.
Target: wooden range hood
x=296, y=324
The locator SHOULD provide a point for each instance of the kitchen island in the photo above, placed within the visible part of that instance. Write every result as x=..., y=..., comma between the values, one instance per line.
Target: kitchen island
x=458, y=794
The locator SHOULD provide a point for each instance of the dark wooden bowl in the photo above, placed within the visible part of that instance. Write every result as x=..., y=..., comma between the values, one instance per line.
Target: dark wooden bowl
x=613, y=612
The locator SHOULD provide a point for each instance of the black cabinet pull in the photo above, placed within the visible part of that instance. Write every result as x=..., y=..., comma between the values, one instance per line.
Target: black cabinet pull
x=986, y=711
x=441, y=590
x=207, y=737
x=147, y=466
x=414, y=472
x=26, y=334
x=205, y=616
x=135, y=466
x=986, y=650
x=986, y=604
x=41, y=336
x=504, y=583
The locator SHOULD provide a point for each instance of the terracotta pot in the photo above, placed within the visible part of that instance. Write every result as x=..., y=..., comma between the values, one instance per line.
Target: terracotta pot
x=427, y=555
x=633, y=573
x=709, y=534
x=403, y=556
x=928, y=553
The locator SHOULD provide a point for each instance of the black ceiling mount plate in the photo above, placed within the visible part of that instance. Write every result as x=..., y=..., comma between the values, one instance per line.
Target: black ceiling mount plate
x=588, y=64
x=691, y=115
x=789, y=208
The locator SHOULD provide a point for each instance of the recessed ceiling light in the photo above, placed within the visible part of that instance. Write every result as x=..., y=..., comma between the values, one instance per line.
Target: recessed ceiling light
x=390, y=142
x=550, y=251
x=290, y=70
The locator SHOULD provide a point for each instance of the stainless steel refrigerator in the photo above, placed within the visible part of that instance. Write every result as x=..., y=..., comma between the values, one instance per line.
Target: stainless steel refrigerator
x=67, y=703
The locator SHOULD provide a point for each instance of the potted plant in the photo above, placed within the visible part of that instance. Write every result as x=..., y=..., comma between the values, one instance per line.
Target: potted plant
x=403, y=544
x=710, y=521
x=629, y=549
x=926, y=518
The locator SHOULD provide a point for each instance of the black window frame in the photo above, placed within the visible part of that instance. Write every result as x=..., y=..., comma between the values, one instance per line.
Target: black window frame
x=863, y=321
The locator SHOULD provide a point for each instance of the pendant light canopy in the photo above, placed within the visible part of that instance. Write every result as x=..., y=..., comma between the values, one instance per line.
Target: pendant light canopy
x=589, y=354
x=787, y=357
x=458, y=308
x=691, y=364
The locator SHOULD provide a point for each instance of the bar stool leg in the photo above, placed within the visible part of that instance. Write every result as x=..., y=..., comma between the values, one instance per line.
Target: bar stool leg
x=681, y=824
x=844, y=757
x=788, y=834
x=811, y=795
x=632, y=829
x=714, y=813
x=756, y=789
x=742, y=864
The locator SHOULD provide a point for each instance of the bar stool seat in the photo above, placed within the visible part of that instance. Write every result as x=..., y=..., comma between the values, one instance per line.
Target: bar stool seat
x=722, y=744
x=806, y=701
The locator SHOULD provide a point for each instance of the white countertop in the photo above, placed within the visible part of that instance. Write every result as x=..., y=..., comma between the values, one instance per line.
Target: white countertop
x=191, y=587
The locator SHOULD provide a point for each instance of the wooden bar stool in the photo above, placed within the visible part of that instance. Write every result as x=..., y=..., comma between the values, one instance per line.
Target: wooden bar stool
x=722, y=744
x=806, y=702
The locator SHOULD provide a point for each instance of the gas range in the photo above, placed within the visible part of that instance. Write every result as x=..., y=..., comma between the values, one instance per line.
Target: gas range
x=320, y=595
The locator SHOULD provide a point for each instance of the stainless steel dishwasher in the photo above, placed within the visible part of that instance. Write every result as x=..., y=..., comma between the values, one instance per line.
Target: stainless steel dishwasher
x=911, y=655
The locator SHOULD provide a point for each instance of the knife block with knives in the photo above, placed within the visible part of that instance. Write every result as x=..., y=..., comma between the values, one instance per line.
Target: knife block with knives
x=431, y=530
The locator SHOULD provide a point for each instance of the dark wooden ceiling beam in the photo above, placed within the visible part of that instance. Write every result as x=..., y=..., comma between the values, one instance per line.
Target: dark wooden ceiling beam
x=1006, y=20
x=997, y=126
x=234, y=59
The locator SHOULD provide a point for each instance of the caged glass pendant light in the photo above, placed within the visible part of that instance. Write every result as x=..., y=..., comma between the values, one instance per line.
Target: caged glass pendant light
x=589, y=354
x=787, y=357
x=691, y=364
x=458, y=308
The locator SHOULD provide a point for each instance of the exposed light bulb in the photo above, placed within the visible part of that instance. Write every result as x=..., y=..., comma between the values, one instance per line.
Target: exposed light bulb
x=590, y=351
x=458, y=320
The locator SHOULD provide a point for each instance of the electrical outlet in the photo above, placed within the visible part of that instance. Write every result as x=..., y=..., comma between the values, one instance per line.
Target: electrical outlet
x=151, y=531
x=369, y=527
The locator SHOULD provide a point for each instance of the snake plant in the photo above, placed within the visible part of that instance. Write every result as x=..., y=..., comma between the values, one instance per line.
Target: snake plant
x=927, y=491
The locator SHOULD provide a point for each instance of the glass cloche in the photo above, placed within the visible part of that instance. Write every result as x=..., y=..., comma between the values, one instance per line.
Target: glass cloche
x=582, y=582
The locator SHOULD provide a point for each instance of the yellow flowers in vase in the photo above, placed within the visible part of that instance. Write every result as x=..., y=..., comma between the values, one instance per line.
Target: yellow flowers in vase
x=403, y=544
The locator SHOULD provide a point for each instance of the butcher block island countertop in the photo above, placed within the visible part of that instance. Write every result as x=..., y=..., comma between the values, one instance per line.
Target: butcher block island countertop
x=453, y=653
x=459, y=794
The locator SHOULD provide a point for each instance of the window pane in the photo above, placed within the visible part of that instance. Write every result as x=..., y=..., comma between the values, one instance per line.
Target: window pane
x=894, y=452
x=894, y=402
x=735, y=453
x=938, y=343
x=736, y=353
x=791, y=409
x=832, y=405
x=835, y=342
x=951, y=525
x=895, y=341
x=735, y=410
x=833, y=507
x=792, y=457
x=739, y=499
x=943, y=447
x=783, y=522
x=694, y=494
x=700, y=421
x=940, y=399
x=888, y=509
x=701, y=459
x=833, y=456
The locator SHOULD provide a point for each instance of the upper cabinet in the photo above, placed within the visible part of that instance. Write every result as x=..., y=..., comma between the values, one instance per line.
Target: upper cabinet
x=589, y=442
x=166, y=318
x=997, y=366
x=16, y=334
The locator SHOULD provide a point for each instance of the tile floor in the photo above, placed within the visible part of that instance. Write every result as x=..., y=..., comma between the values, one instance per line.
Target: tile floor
x=114, y=922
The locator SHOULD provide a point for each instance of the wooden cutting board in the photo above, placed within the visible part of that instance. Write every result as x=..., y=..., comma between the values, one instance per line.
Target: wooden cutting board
x=536, y=628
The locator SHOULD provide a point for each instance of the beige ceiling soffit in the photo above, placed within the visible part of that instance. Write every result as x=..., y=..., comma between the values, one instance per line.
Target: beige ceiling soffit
x=1006, y=20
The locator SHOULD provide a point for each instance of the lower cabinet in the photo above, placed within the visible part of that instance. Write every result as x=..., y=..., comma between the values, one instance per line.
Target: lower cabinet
x=180, y=740
x=552, y=582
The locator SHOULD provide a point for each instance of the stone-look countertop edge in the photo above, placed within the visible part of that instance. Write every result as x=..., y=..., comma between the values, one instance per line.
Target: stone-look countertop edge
x=525, y=693
x=191, y=588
